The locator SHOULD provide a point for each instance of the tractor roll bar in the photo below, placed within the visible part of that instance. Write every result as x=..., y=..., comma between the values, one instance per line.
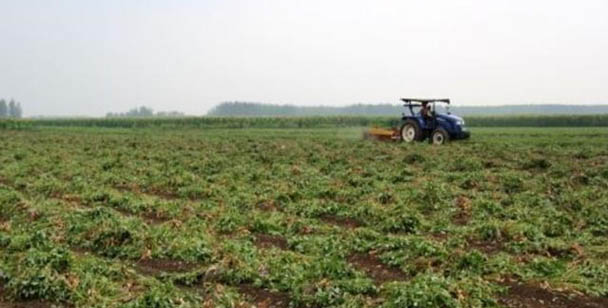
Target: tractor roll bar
x=426, y=100
x=420, y=101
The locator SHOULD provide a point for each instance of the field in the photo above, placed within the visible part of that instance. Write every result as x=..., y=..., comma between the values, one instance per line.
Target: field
x=589, y=120
x=152, y=217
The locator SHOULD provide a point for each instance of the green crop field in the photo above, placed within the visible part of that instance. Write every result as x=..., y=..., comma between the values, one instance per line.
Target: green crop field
x=589, y=120
x=153, y=217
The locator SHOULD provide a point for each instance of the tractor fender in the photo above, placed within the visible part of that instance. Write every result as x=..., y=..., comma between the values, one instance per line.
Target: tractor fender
x=418, y=120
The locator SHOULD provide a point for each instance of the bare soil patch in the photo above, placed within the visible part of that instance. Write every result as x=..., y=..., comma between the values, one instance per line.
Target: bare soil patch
x=128, y=188
x=71, y=198
x=575, y=250
x=154, y=218
x=440, y=237
x=268, y=241
x=344, y=222
x=150, y=218
x=154, y=267
x=306, y=230
x=527, y=295
x=23, y=304
x=267, y=206
x=373, y=267
x=28, y=304
x=487, y=247
x=264, y=298
x=80, y=251
x=167, y=195
x=464, y=214
x=461, y=218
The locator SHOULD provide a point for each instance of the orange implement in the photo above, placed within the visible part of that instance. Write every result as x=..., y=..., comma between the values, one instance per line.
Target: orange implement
x=382, y=134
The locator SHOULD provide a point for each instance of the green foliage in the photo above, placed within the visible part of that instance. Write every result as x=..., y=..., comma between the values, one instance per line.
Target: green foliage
x=490, y=231
x=424, y=291
x=317, y=217
x=38, y=275
x=511, y=183
x=537, y=163
x=157, y=297
x=473, y=261
x=58, y=259
x=413, y=158
x=546, y=267
x=408, y=222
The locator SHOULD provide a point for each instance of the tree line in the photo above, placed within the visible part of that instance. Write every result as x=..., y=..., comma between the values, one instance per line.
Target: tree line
x=12, y=109
x=268, y=110
x=144, y=112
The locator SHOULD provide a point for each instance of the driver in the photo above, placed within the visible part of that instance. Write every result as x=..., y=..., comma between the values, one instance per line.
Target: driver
x=425, y=111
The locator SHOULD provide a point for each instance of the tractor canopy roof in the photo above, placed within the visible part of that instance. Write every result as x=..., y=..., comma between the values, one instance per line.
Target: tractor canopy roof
x=426, y=100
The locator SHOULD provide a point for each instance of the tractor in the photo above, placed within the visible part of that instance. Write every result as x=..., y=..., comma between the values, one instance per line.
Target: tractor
x=426, y=123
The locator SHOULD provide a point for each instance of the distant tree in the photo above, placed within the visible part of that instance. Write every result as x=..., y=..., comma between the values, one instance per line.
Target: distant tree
x=131, y=113
x=12, y=109
x=139, y=112
x=3, y=109
x=18, y=111
x=168, y=114
x=259, y=109
x=144, y=111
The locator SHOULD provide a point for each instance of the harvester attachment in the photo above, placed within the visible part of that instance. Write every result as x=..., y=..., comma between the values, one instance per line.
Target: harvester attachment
x=376, y=133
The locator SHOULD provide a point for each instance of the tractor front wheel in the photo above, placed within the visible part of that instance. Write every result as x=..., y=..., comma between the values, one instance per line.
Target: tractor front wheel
x=410, y=131
x=440, y=136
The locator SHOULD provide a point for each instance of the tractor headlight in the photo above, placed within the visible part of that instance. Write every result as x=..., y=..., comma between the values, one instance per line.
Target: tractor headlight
x=460, y=122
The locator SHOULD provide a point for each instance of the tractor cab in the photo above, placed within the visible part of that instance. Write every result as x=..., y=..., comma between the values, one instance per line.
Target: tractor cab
x=424, y=121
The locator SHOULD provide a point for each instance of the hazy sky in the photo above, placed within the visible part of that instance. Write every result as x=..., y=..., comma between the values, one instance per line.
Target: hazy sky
x=88, y=57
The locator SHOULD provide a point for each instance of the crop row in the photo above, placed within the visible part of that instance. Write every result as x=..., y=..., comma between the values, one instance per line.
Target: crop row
x=303, y=122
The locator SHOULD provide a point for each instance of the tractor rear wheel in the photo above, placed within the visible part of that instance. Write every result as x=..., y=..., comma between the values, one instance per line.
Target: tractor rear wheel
x=440, y=136
x=410, y=131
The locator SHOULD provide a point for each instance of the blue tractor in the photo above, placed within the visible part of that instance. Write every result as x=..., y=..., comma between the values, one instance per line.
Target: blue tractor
x=439, y=128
